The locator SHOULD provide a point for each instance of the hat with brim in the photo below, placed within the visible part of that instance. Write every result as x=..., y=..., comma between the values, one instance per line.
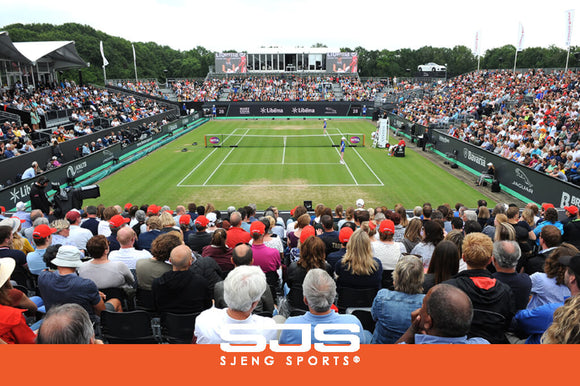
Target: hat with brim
x=68, y=256
x=11, y=222
x=7, y=265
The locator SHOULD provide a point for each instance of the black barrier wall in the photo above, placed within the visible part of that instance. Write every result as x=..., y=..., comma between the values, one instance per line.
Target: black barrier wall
x=289, y=109
x=72, y=171
x=531, y=184
x=9, y=168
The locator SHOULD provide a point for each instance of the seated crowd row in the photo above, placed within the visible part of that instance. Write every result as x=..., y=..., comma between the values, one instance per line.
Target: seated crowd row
x=444, y=275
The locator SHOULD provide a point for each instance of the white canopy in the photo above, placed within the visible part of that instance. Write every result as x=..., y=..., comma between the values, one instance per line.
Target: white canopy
x=60, y=54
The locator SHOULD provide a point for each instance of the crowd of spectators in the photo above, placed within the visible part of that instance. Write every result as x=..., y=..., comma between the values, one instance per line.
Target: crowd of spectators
x=501, y=275
x=143, y=87
x=531, y=118
x=91, y=110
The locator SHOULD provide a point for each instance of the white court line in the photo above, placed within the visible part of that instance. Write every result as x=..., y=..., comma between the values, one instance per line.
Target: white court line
x=281, y=185
x=284, y=151
x=202, y=161
x=367, y=165
x=225, y=158
x=345, y=164
x=276, y=163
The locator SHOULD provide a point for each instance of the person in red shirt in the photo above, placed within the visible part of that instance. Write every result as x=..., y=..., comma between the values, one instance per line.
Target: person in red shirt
x=13, y=327
x=236, y=234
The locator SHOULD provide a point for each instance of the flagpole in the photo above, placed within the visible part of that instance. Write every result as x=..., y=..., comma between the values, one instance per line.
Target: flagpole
x=135, y=63
x=105, y=75
x=515, y=61
x=567, y=58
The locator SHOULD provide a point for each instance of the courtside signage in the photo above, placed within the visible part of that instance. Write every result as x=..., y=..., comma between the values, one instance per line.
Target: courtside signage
x=354, y=140
x=214, y=140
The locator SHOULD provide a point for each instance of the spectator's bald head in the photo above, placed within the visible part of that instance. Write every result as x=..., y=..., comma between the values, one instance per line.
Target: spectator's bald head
x=181, y=257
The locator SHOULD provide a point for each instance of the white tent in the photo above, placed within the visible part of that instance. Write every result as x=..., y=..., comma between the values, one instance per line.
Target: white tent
x=60, y=55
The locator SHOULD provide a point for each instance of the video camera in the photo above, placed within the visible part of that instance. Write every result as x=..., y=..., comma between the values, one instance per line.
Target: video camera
x=66, y=199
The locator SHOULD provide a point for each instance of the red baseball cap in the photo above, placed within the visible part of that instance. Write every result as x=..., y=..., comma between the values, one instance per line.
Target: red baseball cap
x=128, y=206
x=153, y=209
x=202, y=220
x=344, y=234
x=372, y=225
x=73, y=215
x=169, y=211
x=547, y=205
x=185, y=219
x=257, y=227
x=307, y=231
x=117, y=221
x=42, y=231
x=387, y=226
x=2, y=209
x=572, y=209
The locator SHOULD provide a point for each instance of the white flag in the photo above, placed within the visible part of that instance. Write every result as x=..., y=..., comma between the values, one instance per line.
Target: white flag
x=477, y=43
x=105, y=61
x=569, y=24
x=521, y=38
x=134, y=57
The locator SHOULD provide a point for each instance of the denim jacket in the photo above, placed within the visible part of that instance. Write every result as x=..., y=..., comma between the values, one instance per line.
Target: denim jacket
x=392, y=312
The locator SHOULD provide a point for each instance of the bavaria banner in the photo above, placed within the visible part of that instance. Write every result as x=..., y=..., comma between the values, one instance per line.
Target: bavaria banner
x=383, y=133
x=532, y=185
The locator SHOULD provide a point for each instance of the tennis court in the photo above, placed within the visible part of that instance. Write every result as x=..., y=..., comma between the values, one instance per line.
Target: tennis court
x=282, y=157
x=282, y=163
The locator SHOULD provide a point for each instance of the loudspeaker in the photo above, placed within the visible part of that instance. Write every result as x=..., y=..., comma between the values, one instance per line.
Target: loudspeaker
x=495, y=187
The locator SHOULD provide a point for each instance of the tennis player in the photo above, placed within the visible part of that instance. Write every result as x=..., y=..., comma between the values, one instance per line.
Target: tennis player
x=342, y=147
x=324, y=125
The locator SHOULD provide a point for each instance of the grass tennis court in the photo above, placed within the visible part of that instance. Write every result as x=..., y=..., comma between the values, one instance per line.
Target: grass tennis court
x=298, y=164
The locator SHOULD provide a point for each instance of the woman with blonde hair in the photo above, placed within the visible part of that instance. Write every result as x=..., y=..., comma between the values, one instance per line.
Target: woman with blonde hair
x=358, y=268
x=565, y=328
x=18, y=242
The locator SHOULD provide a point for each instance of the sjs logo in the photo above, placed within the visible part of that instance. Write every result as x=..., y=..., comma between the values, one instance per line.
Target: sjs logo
x=243, y=338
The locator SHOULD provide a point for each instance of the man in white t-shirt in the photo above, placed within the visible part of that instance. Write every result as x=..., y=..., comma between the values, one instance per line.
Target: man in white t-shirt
x=79, y=236
x=385, y=249
x=127, y=253
x=243, y=289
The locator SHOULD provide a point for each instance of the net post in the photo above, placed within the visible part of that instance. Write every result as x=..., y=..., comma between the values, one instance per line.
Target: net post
x=364, y=137
x=205, y=140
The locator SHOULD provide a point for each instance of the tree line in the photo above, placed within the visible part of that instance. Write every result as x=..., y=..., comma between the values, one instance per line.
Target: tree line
x=157, y=61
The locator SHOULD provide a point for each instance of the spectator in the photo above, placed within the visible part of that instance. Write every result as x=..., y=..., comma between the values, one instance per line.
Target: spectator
x=147, y=270
x=433, y=234
x=243, y=289
x=443, y=266
x=505, y=259
x=67, y=324
x=13, y=327
x=392, y=309
x=492, y=298
x=319, y=291
x=444, y=318
x=358, y=268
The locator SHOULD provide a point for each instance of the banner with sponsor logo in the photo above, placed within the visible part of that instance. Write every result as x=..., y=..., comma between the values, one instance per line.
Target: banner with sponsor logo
x=286, y=109
x=531, y=184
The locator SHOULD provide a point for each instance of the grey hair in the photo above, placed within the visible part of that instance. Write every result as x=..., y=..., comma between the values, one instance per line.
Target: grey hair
x=319, y=289
x=470, y=215
x=506, y=253
x=243, y=286
x=408, y=275
x=380, y=217
x=66, y=324
x=40, y=221
x=140, y=215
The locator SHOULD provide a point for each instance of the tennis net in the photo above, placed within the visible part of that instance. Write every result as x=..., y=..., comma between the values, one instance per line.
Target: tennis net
x=306, y=140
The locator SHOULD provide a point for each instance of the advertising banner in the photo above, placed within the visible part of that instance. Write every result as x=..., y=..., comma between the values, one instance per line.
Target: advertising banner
x=284, y=109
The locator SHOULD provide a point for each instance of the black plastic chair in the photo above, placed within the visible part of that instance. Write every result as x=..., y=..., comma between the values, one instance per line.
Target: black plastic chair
x=145, y=300
x=132, y=327
x=178, y=328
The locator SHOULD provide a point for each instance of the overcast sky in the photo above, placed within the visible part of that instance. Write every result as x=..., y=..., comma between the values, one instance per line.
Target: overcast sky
x=373, y=24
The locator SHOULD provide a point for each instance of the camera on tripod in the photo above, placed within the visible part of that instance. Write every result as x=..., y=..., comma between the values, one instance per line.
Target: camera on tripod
x=69, y=198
